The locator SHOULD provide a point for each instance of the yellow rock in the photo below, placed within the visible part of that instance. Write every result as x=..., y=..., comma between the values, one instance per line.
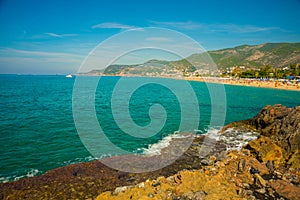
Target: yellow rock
x=185, y=182
x=267, y=150
x=294, y=161
x=259, y=181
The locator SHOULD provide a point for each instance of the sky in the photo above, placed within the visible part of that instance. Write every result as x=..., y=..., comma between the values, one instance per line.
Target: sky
x=55, y=37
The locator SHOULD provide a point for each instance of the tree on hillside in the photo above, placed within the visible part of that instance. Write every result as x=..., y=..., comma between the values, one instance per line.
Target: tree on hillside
x=237, y=72
x=250, y=73
x=265, y=71
x=294, y=69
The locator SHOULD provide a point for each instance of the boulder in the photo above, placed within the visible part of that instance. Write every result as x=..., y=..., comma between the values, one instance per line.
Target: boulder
x=281, y=125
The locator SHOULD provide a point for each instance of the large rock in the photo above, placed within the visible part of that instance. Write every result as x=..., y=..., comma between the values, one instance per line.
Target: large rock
x=281, y=125
x=266, y=150
x=266, y=168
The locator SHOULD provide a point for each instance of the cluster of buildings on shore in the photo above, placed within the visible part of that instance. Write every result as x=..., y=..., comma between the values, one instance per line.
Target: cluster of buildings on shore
x=292, y=72
x=229, y=72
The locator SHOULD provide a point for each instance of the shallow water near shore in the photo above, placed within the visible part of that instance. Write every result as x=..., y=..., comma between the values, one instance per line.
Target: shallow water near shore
x=37, y=130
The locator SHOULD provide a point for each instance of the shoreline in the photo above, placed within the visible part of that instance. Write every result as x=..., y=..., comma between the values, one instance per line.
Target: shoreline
x=268, y=84
x=283, y=84
x=86, y=180
x=256, y=171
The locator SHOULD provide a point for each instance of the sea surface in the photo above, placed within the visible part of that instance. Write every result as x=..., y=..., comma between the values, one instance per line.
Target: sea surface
x=38, y=132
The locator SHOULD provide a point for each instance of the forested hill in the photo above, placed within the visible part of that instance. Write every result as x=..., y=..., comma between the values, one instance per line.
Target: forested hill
x=276, y=55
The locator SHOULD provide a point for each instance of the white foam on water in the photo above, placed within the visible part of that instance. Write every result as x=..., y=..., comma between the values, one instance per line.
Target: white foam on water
x=28, y=173
x=79, y=160
x=35, y=172
x=86, y=159
x=32, y=173
x=235, y=139
x=232, y=138
x=4, y=179
x=212, y=133
x=156, y=148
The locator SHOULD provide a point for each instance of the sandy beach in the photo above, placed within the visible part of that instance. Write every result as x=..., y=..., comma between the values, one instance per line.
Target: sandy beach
x=282, y=84
x=274, y=84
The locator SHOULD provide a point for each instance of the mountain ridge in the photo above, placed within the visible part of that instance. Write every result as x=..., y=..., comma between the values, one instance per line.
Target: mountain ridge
x=277, y=55
x=274, y=54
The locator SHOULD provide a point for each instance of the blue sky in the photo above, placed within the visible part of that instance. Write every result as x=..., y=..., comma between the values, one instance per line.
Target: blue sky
x=54, y=37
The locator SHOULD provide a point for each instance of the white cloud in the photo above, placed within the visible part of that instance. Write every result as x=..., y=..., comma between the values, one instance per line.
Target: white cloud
x=189, y=25
x=12, y=51
x=13, y=56
x=159, y=39
x=230, y=28
x=60, y=35
x=234, y=28
x=24, y=61
x=111, y=25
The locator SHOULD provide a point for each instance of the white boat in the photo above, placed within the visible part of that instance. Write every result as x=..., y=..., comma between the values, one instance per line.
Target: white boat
x=69, y=76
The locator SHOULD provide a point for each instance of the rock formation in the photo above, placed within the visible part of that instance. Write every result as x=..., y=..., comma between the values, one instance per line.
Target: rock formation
x=266, y=168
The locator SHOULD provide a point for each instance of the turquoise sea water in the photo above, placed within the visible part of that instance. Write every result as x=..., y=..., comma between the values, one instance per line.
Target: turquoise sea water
x=37, y=130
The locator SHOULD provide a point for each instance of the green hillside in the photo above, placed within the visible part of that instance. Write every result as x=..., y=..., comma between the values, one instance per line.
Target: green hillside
x=276, y=55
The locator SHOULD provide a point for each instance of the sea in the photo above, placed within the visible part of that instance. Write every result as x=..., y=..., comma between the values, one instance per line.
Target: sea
x=38, y=131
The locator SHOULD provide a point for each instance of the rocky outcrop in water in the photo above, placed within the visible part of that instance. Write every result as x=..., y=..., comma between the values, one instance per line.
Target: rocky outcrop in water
x=265, y=168
x=279, y=128
x=282, y=126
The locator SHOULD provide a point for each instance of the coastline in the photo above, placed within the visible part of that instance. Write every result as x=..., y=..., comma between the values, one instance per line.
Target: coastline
x=266, y=167
x=268, y=84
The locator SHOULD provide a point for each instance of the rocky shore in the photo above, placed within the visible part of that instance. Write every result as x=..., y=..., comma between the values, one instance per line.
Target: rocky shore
x=267, y=167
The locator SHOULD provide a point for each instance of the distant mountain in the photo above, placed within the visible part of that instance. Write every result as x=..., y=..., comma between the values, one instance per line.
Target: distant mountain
x=249, y=56
x=151, y=67
x=274, y=54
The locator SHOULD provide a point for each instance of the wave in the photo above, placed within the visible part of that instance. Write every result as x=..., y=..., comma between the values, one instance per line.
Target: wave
x=235, y=139
x=79, y=160
x=27, y=174
x=35, y=172
x=232, y=138
x=156, y=148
